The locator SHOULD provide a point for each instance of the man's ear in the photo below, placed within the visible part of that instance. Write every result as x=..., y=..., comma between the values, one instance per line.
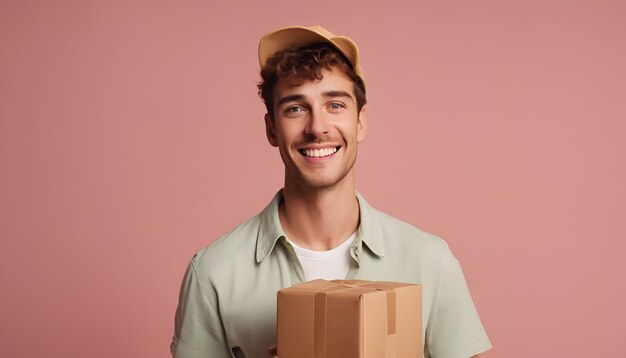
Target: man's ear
x=270, y=130
x=361, y=125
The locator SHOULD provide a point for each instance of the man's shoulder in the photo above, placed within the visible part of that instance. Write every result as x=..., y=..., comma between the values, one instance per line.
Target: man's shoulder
x=407, y=253
x=239, y=244
x=397, y=231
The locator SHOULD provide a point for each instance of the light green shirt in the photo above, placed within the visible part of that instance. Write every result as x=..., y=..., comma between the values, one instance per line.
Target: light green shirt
x=227, y=304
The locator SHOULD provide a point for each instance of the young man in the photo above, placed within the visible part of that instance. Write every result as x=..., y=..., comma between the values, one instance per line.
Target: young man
x=317, y=226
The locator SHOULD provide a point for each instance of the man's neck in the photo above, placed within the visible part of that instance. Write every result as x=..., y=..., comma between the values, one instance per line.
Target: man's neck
x=320, y=219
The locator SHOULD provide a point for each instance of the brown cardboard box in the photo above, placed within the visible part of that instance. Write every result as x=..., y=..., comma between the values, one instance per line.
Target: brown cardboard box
x=350, y=319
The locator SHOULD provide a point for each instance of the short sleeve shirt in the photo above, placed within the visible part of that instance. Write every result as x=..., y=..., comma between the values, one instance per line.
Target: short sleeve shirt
x=227, y=303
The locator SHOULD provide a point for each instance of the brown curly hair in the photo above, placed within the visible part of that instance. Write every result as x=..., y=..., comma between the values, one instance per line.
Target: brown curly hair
x=306, y=63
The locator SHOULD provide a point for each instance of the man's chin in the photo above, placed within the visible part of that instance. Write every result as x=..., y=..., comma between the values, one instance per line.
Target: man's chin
x=321, y=182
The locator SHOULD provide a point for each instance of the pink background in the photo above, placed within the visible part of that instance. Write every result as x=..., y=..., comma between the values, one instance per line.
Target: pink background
x=131, y=136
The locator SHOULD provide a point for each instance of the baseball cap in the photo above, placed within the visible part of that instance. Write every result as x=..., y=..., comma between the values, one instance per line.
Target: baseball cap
x=286, y=37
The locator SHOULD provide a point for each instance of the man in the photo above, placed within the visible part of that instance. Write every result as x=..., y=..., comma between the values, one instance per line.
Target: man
x=317, y=226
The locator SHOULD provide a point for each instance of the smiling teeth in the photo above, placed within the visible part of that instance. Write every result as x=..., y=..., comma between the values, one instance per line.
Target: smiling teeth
x=317, y=153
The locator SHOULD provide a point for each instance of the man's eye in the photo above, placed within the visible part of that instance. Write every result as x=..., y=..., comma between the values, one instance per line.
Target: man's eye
x=336, y=106
x=294, y=109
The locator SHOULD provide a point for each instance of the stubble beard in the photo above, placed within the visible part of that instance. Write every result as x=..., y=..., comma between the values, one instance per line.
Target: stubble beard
x=313, y=181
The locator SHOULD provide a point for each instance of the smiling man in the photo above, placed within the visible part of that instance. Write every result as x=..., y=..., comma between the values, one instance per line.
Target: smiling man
x=317, y=225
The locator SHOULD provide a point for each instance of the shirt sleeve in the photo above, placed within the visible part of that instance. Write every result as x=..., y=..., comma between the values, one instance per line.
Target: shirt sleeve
x=454, y=328
x=198, y=329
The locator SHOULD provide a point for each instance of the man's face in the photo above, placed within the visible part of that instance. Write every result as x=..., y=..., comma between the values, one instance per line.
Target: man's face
x=316, y=128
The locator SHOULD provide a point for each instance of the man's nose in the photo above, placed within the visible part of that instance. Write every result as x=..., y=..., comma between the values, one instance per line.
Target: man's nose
x=318, y=123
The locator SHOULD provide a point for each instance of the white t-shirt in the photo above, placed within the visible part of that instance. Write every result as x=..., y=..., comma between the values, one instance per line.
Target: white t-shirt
x=333, y=264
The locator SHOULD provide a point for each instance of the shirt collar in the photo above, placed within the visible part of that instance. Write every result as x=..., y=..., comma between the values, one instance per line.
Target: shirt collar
x=270, y=229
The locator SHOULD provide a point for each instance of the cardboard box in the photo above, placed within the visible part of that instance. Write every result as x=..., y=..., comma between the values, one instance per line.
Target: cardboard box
x=350, y=319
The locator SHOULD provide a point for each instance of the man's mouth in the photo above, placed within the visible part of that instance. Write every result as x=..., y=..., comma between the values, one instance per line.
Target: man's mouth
x=319, y=153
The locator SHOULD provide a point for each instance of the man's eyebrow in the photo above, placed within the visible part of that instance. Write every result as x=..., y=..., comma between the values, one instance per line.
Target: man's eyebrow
x=333, y=94
x=300, y=97
x=290, y=98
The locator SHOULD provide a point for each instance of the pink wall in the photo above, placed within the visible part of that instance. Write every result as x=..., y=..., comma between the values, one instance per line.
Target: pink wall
x=131, y=136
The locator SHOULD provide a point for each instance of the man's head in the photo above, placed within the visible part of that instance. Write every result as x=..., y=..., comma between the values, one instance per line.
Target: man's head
x=315, y=98
x=300, y=53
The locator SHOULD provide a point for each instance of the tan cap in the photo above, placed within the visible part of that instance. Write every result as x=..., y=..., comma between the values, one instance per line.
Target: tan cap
x=291, y=36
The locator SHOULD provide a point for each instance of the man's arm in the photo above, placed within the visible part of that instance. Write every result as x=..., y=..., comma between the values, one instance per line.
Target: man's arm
x=454, y=328
x=198, y=329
